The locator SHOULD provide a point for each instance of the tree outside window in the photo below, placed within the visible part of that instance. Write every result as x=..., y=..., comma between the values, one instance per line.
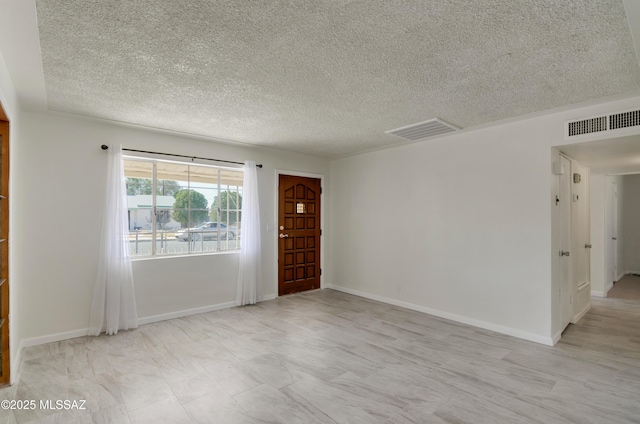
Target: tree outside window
x=190, y=208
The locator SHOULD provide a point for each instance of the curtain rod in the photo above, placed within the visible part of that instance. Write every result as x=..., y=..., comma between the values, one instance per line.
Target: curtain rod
x=105, y=147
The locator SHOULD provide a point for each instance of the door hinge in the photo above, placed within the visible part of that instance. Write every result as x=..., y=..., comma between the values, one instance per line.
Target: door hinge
x=320, y=232
x=320, y=190
x=571, y=299
x=320, y=271
x=557, y=200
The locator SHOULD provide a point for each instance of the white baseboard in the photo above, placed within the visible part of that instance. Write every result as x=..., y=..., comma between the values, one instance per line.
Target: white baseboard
x=194, y=311
x=604, y=293
x=50, y=338
x=16, y=366
x=556, y=338
x=35, y=341
x=185, y=313
x=580, y=314
x=609, y=287
x=619, y=277
x=549, y=341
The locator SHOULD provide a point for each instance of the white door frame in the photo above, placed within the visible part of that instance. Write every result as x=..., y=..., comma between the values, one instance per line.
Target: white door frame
x=566, y=262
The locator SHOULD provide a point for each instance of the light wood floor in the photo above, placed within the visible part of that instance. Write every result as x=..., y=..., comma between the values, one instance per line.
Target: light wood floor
x=329, y=357
x=627, y=288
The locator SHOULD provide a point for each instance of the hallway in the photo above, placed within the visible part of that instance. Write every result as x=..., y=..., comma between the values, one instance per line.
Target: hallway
x=628, y=288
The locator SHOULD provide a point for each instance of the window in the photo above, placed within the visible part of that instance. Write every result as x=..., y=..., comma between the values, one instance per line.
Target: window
x=178, y=209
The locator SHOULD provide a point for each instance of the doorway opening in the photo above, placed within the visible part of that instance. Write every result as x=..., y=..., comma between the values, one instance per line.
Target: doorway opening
x=622, y=237
x=571, y=245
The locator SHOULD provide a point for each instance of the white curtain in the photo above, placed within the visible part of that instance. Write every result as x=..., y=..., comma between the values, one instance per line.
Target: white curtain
x=250, y=274
x=114, y=303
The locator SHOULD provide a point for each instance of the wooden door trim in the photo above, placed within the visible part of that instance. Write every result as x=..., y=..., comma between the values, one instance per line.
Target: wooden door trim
x=274, y=230
x=5, y=336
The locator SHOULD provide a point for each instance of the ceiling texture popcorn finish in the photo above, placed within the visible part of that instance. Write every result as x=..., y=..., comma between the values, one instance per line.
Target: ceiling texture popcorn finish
x=329, y=77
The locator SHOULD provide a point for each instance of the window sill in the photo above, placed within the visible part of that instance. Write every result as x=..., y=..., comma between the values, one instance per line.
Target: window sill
x=191, y=255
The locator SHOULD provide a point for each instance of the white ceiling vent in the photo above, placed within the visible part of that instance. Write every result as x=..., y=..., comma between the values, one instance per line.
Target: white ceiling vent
x=424, y=129
x=604, y=124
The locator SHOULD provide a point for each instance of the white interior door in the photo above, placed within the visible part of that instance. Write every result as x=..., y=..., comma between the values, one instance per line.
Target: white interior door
x=565, y=243
x=580, y=241
x=580, y=224
x=612, y=233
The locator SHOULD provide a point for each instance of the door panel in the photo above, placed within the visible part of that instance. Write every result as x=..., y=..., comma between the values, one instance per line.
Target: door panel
x=580, y=225
x=611, y=217
x=565, y=243
x=299, y=235
x=580, y=241
x=4, y=250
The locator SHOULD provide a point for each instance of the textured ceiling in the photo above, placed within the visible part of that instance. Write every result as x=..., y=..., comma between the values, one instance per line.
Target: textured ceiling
x=329, y=77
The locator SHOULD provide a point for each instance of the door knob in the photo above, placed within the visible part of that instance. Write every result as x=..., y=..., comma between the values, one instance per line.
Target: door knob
x=564, y=253
x=587, y=246
x=283, y=235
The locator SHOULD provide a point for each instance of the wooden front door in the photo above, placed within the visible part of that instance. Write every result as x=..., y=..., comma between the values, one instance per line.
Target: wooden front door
x=299, y=234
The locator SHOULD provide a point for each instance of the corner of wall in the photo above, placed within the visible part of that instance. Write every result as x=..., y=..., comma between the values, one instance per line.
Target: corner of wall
x=16, y=363
x=8, y=96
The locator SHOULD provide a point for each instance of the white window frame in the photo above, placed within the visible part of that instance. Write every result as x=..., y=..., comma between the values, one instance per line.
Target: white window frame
x=218, y=189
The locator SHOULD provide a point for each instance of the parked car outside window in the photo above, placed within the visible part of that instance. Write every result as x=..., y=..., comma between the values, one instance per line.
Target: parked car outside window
x=207, y=231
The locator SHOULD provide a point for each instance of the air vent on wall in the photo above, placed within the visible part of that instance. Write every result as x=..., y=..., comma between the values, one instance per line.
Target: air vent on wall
x=624, y=120
x=611, y=122
x=424, y=129
x=588, y=126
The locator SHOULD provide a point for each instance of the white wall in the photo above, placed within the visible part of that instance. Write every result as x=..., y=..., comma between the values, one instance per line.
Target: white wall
x=630, y=223
x=458, y=222
x=7, y=91
x=462, y=223
x=61, y=169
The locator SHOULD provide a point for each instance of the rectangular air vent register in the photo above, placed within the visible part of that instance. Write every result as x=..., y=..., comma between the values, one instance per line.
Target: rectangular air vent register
x=421, y=130
x=604, y=123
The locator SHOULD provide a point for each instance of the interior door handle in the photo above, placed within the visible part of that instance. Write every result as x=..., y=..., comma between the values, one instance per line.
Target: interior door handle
x=587, y=246
x=614, y=238
x=564, y=253
x=283, y=235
